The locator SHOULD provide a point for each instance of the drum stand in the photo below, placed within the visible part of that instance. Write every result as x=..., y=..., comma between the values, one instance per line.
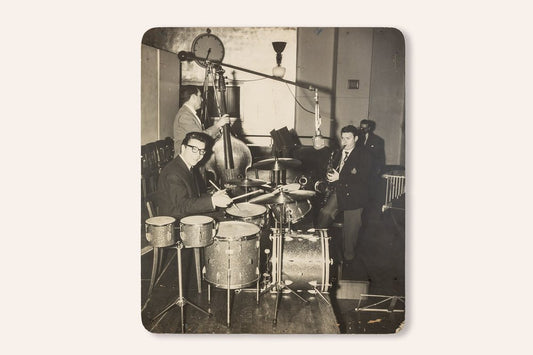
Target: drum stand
x=180, y=301
x=278, y=284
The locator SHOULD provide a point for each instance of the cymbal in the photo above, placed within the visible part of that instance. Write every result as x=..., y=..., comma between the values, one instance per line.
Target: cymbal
x=280, y=197
x=246, y=182
x=276, y=164
x=290, y=187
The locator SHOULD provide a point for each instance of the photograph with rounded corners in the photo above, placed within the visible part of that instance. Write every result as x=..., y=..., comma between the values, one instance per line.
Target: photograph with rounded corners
x=272, y=180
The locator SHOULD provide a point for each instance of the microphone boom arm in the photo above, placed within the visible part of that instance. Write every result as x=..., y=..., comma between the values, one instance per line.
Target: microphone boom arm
x=189, y=56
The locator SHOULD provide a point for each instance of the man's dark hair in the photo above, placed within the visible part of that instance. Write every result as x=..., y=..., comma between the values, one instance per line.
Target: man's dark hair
x=350, y=129
x=187, y=91
x=200, y=136
x=371, y=124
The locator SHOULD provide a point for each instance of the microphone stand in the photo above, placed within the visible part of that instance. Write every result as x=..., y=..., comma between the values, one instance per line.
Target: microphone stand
x=205, y=109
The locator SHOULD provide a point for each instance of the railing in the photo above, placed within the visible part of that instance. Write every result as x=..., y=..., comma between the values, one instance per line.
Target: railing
x=395, y=188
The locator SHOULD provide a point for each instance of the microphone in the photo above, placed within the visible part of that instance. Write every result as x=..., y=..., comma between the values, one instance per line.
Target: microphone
x=183, y=55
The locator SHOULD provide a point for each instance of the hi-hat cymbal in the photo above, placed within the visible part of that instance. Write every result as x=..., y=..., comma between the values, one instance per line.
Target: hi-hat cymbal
x=246, y=182
x=280, y=197
x=277, y=164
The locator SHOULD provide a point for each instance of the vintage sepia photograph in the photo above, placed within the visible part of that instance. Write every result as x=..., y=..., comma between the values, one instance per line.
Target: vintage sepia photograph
x=273, y=180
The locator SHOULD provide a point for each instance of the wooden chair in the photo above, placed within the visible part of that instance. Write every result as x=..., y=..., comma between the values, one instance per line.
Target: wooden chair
x=154, y=157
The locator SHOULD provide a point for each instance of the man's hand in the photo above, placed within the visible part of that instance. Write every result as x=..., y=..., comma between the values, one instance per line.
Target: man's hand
x=223, y=121
x=221, y=199
x=333, y=176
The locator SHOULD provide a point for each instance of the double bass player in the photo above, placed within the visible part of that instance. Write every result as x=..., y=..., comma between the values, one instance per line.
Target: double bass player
x=187, y=120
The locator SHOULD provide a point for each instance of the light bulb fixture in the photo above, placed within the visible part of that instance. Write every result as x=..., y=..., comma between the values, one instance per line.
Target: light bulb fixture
x=278, y=70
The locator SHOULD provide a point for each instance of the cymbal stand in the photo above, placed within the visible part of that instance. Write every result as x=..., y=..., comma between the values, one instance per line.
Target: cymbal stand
x=277, y=245
x=180, y=301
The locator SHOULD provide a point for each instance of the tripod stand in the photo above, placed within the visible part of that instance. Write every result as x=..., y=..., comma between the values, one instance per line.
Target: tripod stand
x=180, y=301
x=277, y=245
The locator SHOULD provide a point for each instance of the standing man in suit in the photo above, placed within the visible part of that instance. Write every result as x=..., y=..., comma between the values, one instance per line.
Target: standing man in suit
x=187, y=120
x=375, y=144
x=376, y=147
x=351, y=180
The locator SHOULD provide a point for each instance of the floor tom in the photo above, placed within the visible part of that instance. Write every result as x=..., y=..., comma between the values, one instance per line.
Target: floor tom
x=232, y=261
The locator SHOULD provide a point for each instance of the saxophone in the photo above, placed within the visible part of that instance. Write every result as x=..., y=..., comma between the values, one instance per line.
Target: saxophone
x=323, y=186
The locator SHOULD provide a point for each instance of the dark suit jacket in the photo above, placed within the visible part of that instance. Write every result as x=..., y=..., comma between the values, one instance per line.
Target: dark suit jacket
x=352, y=188
x=185, y=122
x=181, y=192
x=376, y=147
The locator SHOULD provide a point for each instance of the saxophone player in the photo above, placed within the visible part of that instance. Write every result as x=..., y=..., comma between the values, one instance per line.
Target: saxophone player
x=351, y=180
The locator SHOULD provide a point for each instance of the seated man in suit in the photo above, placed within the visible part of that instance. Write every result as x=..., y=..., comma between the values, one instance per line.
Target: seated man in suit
x=351, y=182
x=187, y=120
x=181, y=192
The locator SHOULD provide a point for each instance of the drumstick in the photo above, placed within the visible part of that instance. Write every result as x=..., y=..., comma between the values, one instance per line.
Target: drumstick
x=218, y=189
x=247, y=194
x=215, y=186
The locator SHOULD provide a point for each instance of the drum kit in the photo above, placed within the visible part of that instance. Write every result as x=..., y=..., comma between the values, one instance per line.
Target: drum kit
x=298, y=261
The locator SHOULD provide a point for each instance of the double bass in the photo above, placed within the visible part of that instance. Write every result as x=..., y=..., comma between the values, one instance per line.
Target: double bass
x=231, y=157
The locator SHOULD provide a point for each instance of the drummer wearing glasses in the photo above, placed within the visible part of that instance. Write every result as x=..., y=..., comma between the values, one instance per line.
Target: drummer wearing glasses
x=181, y=192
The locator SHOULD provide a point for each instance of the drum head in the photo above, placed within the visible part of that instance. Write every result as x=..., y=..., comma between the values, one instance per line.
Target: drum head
x=246, y=209
x=194, y=220
x=236, y=230
x=160, y=220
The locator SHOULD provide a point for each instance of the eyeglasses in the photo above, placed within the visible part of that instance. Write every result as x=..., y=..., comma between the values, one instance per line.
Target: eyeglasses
x=196, y=149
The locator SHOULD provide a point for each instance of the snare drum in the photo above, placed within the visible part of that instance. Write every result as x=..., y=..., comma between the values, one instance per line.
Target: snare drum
x=294, y=211
x=306, y=260
x=197, y=231
x=160, y=231
x=234, y=253
x=249, y=212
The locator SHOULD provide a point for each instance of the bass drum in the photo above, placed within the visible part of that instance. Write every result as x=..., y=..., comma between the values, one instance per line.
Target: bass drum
x=306, y=260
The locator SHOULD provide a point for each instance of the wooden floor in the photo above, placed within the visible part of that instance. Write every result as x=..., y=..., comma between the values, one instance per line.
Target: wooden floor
x=379, y=262
x=246, y=316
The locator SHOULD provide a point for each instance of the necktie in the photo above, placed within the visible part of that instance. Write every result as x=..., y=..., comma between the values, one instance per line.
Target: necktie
x=346, y=153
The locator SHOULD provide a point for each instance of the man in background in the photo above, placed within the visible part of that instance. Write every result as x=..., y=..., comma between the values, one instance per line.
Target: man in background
x=187, y=119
